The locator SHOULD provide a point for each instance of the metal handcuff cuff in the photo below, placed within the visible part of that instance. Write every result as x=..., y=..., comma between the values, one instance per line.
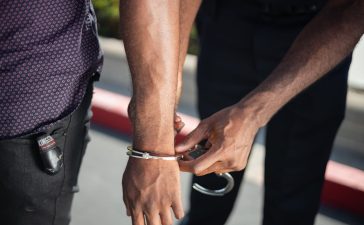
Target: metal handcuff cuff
x=197, y=151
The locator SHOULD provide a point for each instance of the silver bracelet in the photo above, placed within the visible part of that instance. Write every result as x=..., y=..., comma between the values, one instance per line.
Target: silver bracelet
x=146, y=155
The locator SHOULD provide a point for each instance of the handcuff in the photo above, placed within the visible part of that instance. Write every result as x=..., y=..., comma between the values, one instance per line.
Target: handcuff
x=193, y=153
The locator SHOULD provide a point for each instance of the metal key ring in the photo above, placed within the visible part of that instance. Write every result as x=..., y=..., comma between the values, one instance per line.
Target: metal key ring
x=219, y=192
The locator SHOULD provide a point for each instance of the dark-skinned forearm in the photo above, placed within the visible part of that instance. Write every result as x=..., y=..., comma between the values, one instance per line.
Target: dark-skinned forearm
x=322, y=44
x=150, y=30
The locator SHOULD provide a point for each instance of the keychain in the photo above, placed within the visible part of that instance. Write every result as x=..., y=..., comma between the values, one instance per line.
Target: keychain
x=50, y=153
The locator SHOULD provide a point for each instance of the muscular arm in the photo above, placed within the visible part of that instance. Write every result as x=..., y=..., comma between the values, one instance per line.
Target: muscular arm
x=155, y=32
x=150, y=30
x=156, y=56
x=321, y=45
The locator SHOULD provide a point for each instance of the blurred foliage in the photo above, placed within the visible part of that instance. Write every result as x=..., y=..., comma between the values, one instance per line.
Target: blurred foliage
x=194, y=45
x=107, y=12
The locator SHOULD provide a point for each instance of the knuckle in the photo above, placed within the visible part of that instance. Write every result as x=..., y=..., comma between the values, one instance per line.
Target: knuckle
x=197, y=171
x=149, y=209
x=199, y=174
x=230, y=163
x=194, y=170
x=167, y=221
x=240, y=167
x=235, y=166
x=134, y=206
x=180, y=215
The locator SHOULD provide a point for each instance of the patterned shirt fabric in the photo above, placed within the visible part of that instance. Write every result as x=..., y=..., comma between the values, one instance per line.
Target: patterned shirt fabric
x=48, y=53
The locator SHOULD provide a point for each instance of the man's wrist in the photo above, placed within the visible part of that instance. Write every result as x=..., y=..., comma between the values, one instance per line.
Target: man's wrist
x=154, y=147
x=153, y=131
x=259, y=106
x=154, y=139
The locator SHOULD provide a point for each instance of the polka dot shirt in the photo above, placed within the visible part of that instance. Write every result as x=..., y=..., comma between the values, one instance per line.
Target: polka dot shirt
x=48, y=52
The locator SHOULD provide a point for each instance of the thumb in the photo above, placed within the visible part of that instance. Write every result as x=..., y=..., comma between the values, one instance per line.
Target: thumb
x=195, y=137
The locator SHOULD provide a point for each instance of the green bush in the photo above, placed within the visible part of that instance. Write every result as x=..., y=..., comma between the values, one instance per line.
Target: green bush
x=107, y=12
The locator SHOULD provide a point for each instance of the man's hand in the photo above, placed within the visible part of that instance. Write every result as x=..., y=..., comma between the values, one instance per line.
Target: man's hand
x=150, y=189
x=229, y=134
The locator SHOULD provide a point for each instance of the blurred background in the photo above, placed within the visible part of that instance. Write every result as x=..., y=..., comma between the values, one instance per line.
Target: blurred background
x=100, y=200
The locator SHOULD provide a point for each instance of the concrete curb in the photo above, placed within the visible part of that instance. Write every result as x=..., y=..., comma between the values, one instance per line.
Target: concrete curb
x=343, y=188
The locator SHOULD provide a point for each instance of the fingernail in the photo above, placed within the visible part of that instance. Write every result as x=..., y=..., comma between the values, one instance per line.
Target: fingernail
x=181, y=215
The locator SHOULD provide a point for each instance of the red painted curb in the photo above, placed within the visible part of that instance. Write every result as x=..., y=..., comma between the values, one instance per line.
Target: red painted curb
x=343, y=187
x=110, y=110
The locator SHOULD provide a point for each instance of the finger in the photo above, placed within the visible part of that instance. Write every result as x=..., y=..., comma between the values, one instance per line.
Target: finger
x=177, y=118
x=178, y=126
x=224, y=171
x=178, y=208
x=152, y=218
x=137, y=218
x=200, y=164
x=217, y=167
x=166, y=217
x=126, y=203
x=208, y=145
x=196, y=136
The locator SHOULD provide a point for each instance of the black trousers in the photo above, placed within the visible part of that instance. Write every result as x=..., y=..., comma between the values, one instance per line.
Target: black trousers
x=28, y=195
x=240, y=46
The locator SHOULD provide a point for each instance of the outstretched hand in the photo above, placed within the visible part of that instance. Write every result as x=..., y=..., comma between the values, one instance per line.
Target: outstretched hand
x=229, y=133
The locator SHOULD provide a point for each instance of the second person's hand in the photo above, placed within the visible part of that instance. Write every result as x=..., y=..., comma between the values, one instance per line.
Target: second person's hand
x=229, y=133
